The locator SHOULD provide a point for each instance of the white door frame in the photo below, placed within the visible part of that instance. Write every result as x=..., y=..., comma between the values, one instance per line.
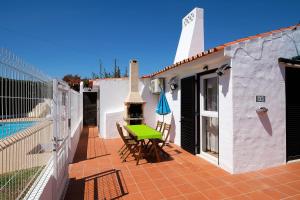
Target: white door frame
x=205, y=113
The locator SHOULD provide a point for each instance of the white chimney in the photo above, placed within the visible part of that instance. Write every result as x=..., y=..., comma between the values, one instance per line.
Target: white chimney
x=134, y=95
x=191, y=40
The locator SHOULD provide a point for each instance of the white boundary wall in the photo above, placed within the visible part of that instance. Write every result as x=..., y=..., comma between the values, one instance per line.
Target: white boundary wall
x=76, y=121
x=113, y=93
x=260, y=140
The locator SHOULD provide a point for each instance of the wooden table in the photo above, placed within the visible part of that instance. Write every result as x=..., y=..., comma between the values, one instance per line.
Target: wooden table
x=142, y=132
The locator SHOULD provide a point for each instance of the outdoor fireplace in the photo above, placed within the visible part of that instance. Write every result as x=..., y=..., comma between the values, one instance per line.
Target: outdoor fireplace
x=135, y=110
x=134, y=104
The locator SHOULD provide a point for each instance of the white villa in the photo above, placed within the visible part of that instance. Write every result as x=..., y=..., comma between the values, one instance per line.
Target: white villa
x=235, y=105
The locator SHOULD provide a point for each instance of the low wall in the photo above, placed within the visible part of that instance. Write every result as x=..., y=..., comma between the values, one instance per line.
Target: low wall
x=75, y=136
x=26, y=149
x=110, y=120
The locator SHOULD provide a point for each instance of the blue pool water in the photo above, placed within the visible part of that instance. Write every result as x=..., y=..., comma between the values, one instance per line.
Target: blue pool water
x=9, y=128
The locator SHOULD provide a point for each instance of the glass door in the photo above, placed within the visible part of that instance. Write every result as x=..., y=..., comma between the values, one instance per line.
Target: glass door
x=209, y=122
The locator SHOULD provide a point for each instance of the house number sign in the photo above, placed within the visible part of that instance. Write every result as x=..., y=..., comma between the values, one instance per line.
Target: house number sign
x=260, y=98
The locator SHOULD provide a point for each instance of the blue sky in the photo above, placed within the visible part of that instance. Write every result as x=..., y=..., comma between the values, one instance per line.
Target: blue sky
x=62, y=37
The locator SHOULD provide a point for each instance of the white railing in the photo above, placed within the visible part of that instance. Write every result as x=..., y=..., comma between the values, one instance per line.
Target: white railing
x=25, y=125
x=40, y=126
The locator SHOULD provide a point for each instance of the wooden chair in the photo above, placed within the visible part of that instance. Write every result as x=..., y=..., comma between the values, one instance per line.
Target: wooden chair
x=159, y=125
x=130, y=145
x=126, y=137
x=165, y=136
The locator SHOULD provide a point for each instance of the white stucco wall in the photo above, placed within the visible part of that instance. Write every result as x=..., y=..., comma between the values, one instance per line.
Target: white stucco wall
x=226, y=122
x=113, y=93
x=225, y=103
x=260, y=139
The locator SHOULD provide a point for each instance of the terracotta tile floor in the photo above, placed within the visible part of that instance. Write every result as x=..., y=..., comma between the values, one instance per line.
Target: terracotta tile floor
x=92, y=176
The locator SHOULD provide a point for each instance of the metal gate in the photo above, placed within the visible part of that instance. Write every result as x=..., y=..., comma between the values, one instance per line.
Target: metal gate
x=61, y=135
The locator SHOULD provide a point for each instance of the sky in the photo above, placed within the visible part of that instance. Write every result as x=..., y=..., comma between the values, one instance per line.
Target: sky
x=73, y=37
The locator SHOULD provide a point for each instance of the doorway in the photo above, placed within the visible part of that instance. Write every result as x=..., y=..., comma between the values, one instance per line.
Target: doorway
x=90, y=108
x=292, y=113
x=209, y=120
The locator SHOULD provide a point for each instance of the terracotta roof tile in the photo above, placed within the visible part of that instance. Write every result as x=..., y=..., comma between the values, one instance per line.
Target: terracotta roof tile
x=242, y=39
x=253, y=37
x=218, y=48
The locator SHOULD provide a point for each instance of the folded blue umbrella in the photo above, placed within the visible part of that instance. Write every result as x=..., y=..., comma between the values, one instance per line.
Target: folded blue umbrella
x=163, y=106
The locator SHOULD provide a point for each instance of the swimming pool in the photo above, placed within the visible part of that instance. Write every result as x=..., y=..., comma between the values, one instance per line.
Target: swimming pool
x=9, y=128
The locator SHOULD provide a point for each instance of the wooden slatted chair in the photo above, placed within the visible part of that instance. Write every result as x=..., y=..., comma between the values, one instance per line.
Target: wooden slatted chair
x=165, y=136
x=130, y=145
x=126, y=137
x=159, y=125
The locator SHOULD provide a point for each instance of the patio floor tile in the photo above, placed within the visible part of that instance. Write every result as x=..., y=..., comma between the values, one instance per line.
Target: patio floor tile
x=295, y=185
x=240, y=197
x=186, y=188
x=258, y=195
x=162, y=183
x=98, y=173
x=179, y=180
x=202, y=185
x=228, y=191
x=146, y=186
x=243, y=187
x=195, y=196
x=213, y=194
x=169, y=191
x=153, y=194
x=134, y=196
x=216, y=182
x=287, y=190
x=274, y=193
x=133, y=188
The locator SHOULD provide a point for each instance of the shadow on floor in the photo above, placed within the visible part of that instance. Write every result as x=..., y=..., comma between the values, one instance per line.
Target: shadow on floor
x=106, y=185
x=87, y=142
x=81, y=151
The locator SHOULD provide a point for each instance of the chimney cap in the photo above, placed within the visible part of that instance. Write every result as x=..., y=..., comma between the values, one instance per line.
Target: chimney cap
x=134, y=61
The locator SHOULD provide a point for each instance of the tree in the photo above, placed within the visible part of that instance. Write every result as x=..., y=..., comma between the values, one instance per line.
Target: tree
x=73, y=81
x=117, y=71
x=95, y=76
x=101, y=72
x=85, y=82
